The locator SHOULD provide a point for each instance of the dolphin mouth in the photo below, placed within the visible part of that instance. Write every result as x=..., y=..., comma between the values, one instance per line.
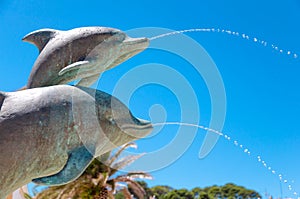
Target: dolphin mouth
x=130, y=47
x=133, y=46
x=141, y=126
x=142, y=42
x=139, y=129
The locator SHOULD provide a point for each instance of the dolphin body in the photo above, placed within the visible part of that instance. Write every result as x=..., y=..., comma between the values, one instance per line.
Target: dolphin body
x=51, y=134
x=80, y=53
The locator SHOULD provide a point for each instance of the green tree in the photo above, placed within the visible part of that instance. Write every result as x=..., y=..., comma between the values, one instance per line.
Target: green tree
x=160, y=191
x=179, y=194
x=214, y=192
x=230, y=191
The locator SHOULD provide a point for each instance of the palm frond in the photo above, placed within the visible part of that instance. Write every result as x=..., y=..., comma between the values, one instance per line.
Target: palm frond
x=136, y=188
x=112, y=184
x=139, y=175
x=101, y=180
x=119, y=152
x=110, y=195
x=126, y=193
x=124, y=162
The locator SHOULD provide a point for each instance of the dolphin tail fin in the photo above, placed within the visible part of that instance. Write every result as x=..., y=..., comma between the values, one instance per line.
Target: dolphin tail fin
x=23, y=88
x=2, y=97
x=40, y=37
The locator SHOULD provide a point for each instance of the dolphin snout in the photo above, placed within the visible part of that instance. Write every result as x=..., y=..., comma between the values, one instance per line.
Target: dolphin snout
x=143, y=123
x=141, y=43
x=139, y=128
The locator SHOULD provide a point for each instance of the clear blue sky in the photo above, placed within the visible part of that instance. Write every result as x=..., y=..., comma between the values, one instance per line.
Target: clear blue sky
x=262, y=85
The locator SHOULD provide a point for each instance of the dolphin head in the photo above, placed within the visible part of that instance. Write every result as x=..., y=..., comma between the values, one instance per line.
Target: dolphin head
x=127, y=48
x=112, y=51
x=117, y=124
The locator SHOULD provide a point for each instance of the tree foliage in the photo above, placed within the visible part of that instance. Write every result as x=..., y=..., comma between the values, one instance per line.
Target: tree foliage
x=228, y=191
x=99, y=180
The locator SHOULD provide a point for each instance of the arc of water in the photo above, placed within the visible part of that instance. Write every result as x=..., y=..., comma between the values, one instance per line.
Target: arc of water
x=234, y=33
x=242, y=147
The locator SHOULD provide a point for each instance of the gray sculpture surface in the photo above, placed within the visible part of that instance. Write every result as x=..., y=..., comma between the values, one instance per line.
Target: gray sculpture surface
x=80, y=53
x=51, y=134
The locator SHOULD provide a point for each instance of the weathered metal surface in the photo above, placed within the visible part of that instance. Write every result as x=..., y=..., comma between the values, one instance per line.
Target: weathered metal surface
x=80, y=53
x=41, y=127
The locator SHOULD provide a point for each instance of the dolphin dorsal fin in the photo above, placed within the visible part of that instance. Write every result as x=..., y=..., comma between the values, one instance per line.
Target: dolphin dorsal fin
x=2, y=97
x=40, y=37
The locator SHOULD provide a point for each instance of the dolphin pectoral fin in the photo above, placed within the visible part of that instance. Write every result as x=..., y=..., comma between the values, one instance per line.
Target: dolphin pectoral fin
x=74, y=66
x=88, y=81
x=78, y=161
x=40, y=37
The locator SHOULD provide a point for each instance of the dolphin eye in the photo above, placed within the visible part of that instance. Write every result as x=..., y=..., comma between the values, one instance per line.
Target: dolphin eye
x=120, y=37
x=123, y=36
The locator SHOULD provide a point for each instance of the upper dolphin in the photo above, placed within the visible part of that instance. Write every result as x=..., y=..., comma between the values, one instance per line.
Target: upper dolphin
x=51, y=134
x=80, y=53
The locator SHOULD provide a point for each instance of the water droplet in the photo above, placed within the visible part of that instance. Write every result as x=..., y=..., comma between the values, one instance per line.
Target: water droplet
x=255, y=39
x=241, y=146
x=265, y=165
x=285, y=181
x=246, y=150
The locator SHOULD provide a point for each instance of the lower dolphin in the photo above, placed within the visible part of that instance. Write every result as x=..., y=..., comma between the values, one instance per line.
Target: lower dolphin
x=51, y=134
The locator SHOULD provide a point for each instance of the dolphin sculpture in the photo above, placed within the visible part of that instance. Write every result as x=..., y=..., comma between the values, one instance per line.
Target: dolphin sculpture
x=49, y=135
x=80, y=53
